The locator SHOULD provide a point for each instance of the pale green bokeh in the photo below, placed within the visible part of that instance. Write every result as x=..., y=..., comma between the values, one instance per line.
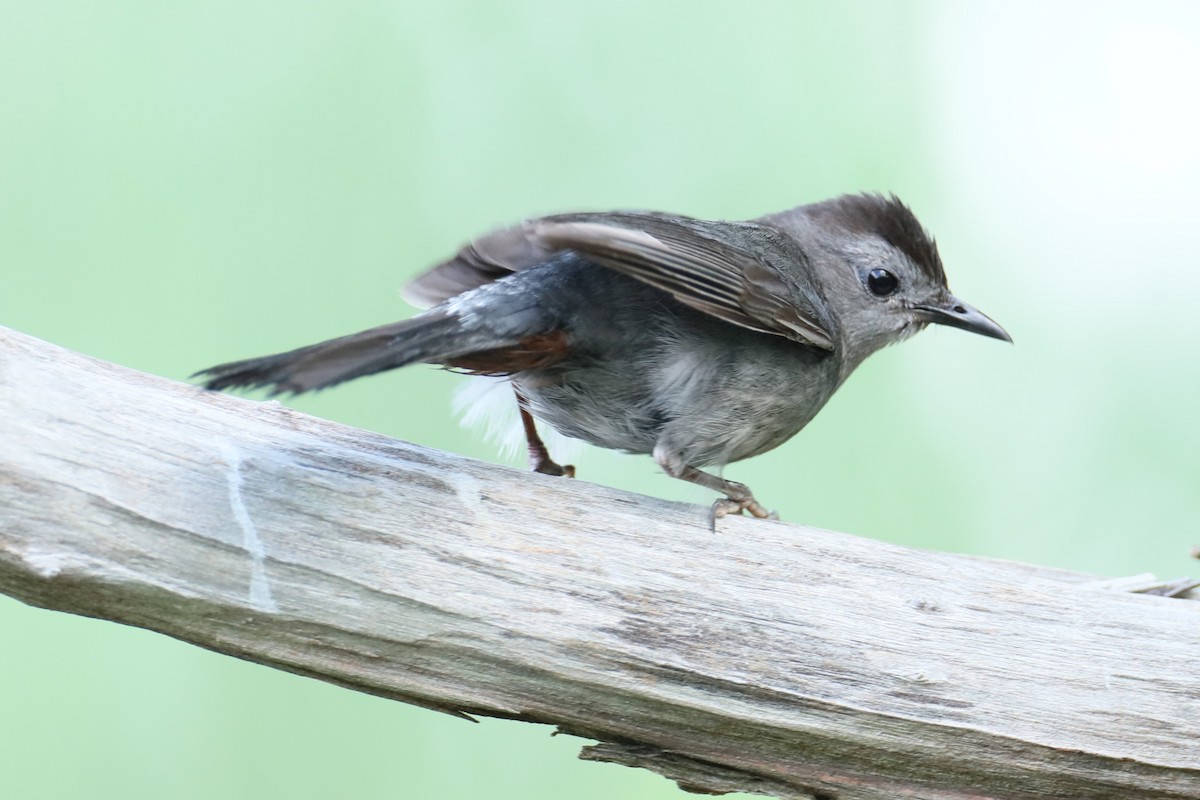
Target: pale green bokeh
x=185, y=183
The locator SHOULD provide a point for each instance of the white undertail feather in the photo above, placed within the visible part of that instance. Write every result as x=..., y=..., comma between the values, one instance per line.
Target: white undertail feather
x=488, y=405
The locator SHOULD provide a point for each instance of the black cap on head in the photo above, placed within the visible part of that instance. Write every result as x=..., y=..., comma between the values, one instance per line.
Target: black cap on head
x=890, y=220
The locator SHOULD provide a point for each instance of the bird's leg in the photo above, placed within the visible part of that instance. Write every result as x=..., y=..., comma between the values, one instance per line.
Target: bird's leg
x=738, y=497
x=539, y=456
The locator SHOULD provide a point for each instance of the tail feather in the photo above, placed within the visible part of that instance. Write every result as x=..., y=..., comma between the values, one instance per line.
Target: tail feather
x=432, y=336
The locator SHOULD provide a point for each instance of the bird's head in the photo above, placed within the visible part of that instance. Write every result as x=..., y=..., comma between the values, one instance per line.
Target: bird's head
x=882, y=275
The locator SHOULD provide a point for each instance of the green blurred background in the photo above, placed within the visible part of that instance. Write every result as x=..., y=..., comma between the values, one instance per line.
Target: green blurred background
x=186, y=183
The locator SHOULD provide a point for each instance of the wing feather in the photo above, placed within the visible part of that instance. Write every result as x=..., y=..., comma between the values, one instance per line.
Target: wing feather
x=708, y=274
x=678, y=255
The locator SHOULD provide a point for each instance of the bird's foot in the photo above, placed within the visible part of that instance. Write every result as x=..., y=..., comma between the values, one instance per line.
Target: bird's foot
x=725, y=506
x=539, y=456
x=546, y=466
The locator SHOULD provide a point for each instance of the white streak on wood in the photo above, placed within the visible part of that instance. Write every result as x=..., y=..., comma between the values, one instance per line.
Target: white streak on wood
x=47, y=563
x=260, y=587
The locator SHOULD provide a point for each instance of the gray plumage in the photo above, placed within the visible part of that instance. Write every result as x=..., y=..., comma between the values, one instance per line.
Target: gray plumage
x=699, y=342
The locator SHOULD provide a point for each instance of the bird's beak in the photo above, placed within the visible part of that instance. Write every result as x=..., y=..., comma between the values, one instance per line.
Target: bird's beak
x=956, y=313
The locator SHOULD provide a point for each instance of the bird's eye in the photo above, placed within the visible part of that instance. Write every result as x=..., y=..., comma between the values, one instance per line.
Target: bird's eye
x=882, y=283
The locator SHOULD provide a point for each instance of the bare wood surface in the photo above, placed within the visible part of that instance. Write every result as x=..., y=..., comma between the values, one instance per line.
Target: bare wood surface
x=769, y=657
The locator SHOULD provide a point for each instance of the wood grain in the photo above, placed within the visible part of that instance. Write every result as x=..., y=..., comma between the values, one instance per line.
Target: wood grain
x=770, y=657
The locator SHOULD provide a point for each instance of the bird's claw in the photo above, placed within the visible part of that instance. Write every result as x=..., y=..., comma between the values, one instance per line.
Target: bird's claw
x=547, y=467
x=725, y=506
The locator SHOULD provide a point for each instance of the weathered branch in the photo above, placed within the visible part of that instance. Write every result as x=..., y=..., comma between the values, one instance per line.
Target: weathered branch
x=769, y=657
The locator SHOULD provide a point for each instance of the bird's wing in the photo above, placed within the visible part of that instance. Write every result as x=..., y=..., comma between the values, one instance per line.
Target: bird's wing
x=486, y=259
x=675, y=254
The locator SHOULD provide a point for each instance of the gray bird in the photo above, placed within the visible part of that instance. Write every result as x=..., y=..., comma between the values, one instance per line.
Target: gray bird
x=699, y=342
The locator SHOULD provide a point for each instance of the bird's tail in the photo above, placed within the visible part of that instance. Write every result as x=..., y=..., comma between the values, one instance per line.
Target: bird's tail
x=435, y=336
